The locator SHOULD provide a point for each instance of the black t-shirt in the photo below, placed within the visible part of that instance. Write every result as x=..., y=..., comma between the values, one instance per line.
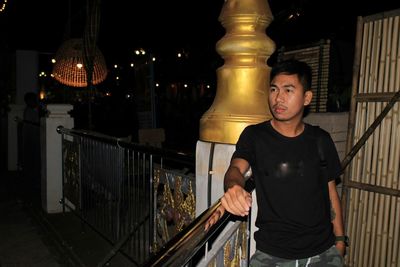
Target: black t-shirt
x=292, y=188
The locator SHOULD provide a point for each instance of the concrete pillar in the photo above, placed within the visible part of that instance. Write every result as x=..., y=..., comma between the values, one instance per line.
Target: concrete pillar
x=212, y=161
x=51, y=149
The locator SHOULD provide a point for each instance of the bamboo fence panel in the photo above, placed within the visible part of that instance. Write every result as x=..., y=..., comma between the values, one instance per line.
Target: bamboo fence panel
x=373, y=214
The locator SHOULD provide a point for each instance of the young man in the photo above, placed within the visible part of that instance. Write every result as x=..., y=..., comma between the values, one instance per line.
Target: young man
x=294, y=166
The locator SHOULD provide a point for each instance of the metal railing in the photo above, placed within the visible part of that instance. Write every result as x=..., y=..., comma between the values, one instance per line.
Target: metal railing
x=224, y=243
x=120, y=190
x=141, y=200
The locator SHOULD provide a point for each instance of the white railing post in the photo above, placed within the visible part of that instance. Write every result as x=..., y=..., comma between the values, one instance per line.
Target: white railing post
x=212, y=161
x=51, y=155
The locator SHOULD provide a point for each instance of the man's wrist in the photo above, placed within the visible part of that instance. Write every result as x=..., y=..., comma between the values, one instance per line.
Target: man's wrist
x=231, y=184
x=343, y=239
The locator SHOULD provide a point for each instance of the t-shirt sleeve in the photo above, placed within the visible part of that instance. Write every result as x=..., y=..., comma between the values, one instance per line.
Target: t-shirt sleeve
x=333, y=162
x=244, y=146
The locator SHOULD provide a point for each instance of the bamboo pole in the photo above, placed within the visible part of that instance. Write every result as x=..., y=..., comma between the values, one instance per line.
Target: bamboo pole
x=396, y=246
x=368, y=168
x=386, y=152
x=361, y=110
x=379, y=178
x=354, y=194
x=357, y=73
x=395, y=201
x=366, y=158
x=395, y=210
x=368, y=248
x=396, y=173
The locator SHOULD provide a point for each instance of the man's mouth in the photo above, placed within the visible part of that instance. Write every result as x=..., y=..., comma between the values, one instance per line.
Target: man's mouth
x=279, y=109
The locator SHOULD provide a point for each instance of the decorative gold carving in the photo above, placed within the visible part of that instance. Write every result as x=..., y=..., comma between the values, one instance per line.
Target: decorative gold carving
x=235, y=249
x=244, y=238
x=185, y=207
x=71, y=185
x=175, y=208
x=227, y=253
x=156, y=180
x=189, y=206
x=212, y=263
x=159, y=224
x=179, y=212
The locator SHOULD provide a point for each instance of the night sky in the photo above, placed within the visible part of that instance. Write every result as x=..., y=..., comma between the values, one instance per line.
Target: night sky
x=162, y=25
x=165, y=28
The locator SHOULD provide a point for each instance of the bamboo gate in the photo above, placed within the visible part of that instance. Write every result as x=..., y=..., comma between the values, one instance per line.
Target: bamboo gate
x=371, y=195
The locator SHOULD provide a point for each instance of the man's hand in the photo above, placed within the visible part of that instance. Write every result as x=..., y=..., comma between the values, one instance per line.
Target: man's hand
x=237, y=201
x=341, y=246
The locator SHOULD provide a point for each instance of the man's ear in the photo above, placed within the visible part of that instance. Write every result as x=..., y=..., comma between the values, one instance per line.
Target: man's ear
x=307, y=97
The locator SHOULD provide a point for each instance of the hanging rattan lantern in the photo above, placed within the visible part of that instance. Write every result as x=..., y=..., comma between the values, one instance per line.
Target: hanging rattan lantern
x=69, y=69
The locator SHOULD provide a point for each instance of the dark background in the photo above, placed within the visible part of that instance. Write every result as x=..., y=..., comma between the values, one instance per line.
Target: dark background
x=163, y=25
x=163, y=28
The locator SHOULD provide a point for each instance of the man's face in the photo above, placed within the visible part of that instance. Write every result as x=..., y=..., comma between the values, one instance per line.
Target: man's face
x=287, y=97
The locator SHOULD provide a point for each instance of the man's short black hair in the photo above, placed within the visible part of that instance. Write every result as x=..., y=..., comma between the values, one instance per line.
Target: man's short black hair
x=294, y=66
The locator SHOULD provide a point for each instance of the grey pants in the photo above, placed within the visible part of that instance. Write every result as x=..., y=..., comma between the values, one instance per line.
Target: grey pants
x=329, y=258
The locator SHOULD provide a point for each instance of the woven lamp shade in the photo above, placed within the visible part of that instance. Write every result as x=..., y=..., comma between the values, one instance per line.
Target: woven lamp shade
x=68, y=68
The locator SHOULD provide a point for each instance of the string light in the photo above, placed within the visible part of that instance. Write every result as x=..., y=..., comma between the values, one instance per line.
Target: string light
x=3, y=6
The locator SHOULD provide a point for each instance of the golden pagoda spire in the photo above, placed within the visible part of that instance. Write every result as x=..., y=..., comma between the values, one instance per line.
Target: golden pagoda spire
x=242, y=81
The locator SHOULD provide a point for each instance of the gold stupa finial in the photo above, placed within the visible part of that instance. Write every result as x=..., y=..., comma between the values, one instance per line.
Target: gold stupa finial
x=242, y=81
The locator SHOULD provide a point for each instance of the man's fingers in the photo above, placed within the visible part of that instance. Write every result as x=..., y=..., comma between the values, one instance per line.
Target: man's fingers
x=237, y=203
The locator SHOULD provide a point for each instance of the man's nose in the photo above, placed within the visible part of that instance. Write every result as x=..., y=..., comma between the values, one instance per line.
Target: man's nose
x=279, y=96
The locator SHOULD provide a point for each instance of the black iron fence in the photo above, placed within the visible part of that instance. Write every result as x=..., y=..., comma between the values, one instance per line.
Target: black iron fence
x=134, y=196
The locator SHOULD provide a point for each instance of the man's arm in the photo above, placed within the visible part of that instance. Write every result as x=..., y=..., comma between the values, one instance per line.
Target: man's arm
x=336, y=216
x=236, y=200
